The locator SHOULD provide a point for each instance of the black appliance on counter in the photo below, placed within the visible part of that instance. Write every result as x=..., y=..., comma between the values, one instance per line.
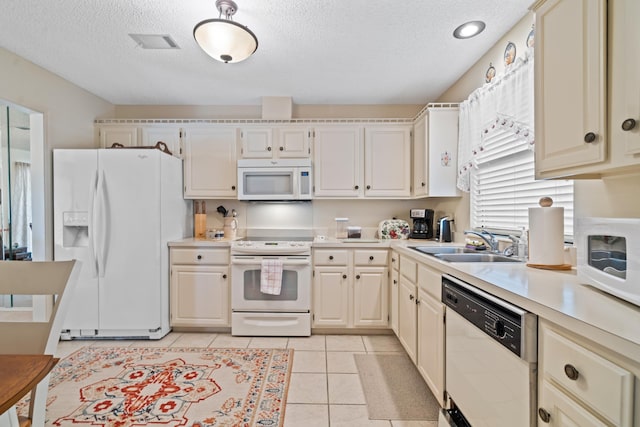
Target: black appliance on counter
x=422, y=224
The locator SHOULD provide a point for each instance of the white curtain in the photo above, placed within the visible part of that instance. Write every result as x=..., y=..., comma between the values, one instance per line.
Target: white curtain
x=504, y=105
x=21, y=204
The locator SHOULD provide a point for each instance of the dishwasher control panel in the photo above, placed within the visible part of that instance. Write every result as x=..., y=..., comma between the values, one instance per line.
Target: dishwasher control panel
x=505, y=323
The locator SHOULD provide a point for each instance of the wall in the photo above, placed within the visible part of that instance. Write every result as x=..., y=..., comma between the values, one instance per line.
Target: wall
x=68, y=114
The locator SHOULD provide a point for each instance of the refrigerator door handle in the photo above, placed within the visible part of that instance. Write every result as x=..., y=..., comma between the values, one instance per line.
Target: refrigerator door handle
x=101, y=225
x=92, y=221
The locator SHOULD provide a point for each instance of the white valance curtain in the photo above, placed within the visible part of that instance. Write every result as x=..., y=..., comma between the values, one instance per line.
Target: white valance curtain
x=500, y=110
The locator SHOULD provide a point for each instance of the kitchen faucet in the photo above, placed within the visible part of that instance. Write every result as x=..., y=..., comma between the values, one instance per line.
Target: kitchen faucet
x=487, y=237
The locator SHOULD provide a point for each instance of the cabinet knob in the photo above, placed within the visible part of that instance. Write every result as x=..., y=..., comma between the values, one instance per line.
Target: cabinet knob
x=628, y=124
x=233, y=187
x=371, y=258
x=544, y=415
x=199, y=257
x=423, y=184
x=281, y=148
x=356, y=187
x=417, y=301
x=393, y=260
x=590, y=137
x=368, y=187
x=411, y=297
x=330, y=256
x=224, y=276
x=571, y=372
x=344, y=276
x=268, y=148
x=395, y=282
x=357, y=276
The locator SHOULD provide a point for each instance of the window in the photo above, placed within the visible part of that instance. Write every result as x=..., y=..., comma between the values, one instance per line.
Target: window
x=495, y=154
x=503, y=186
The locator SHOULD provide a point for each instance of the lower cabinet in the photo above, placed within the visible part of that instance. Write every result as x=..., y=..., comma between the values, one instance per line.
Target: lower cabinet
x=407, y=317
x=200, y=286
x=350, y=288
x=580, y=384
x=430, y=358
x=394, y=286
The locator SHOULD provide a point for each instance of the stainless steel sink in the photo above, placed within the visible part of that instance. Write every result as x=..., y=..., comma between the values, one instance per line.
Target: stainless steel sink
x=475, y=257
x=432, y=250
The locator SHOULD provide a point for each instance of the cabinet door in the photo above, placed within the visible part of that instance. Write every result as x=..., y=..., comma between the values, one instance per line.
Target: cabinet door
x=442, y=152
x=331, y=296
x=431, y=343
x=420, y=157
x=370, y=296
x=338, y=163
x=387, y=164
x=624, y=57
x=293, y=142
x=170, y=135
x=210, y=163
x=199, y=295
x=125, y=135
x=570, y=98
x=556, y=409
x=393, y=305
x=407, y=319
x=257, y=143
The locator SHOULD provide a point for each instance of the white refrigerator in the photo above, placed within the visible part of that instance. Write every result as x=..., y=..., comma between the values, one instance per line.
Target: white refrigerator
x=115, y=210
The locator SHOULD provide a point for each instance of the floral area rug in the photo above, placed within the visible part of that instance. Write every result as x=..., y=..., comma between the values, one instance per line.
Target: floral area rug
x=193, y=387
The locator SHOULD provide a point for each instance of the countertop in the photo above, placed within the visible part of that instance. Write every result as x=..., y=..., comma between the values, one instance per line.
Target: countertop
x=557, y=296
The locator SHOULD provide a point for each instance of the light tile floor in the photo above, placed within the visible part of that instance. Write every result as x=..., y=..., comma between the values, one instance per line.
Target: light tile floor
x=325, y=387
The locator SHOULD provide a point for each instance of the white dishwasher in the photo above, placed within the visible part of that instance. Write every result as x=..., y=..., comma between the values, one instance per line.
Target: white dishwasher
x=490, y=358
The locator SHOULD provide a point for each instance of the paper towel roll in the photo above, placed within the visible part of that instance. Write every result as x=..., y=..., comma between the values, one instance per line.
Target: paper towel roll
x=546, y=236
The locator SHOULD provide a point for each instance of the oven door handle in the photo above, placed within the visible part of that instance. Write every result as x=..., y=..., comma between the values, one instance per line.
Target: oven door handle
x=285, y=263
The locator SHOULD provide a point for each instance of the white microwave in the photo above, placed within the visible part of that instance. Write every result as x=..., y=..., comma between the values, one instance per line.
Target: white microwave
x=266, y=179
x=609, y=255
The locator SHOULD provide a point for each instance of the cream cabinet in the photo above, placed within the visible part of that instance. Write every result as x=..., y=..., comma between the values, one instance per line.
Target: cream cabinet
x=200, y=287
x=210, y=163
x=587, y=91
x=435, y=152
x=387, y=161
x=407, y=307
x=338, y=162
x=167, y=134
x=356, y=162
x=128, y=136
x=430, y=332
x=350, y=288
x=581, y=384
x=284, y=142
x=394, y=290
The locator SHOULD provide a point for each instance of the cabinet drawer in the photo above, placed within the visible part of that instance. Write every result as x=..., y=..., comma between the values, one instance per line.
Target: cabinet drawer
x=408, y=269
x=430, y=281
x=200, y=256
x=370, y=257
x=602, y=385
x=330, y=257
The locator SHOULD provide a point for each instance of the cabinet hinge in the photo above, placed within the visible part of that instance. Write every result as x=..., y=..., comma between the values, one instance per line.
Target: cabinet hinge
x=444, y=317
x=180, y=134
x=313, y=274
x=313, y=317
x=388, y=318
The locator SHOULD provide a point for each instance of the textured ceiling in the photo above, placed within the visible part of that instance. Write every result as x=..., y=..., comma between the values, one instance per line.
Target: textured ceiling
x=315, y=51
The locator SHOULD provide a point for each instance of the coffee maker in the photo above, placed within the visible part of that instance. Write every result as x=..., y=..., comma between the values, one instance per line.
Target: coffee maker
x=422, y=224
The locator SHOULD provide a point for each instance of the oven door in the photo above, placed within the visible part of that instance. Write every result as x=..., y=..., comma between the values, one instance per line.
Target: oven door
x=295, y=295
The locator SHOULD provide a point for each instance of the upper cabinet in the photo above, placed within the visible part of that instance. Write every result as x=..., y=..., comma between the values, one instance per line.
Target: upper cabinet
x=125, y=135
x=284, y=142
x=169, y=135
x=338, y=161
x=435, y=148
x=580, y=131
x=210, y=163
x=352, y=161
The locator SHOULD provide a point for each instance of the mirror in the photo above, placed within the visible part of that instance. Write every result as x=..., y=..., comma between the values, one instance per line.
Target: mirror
x=16, y=210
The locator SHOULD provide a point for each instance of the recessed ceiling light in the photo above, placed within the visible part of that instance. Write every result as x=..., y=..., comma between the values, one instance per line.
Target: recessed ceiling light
x=469, y=29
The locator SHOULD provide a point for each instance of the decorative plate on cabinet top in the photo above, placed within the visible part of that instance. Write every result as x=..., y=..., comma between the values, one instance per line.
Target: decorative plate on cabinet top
x=509, y=54
x=393, y=229
x=490, y=74
x=531, y=36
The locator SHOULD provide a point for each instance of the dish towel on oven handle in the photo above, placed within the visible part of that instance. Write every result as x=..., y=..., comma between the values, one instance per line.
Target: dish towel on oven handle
x=271, y=276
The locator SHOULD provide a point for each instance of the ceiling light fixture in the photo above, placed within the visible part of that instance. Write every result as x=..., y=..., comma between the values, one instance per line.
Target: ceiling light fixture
x=223, y=39
x=469, y=29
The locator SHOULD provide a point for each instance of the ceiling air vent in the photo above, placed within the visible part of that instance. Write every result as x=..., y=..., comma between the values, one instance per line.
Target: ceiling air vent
x=154, y=41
